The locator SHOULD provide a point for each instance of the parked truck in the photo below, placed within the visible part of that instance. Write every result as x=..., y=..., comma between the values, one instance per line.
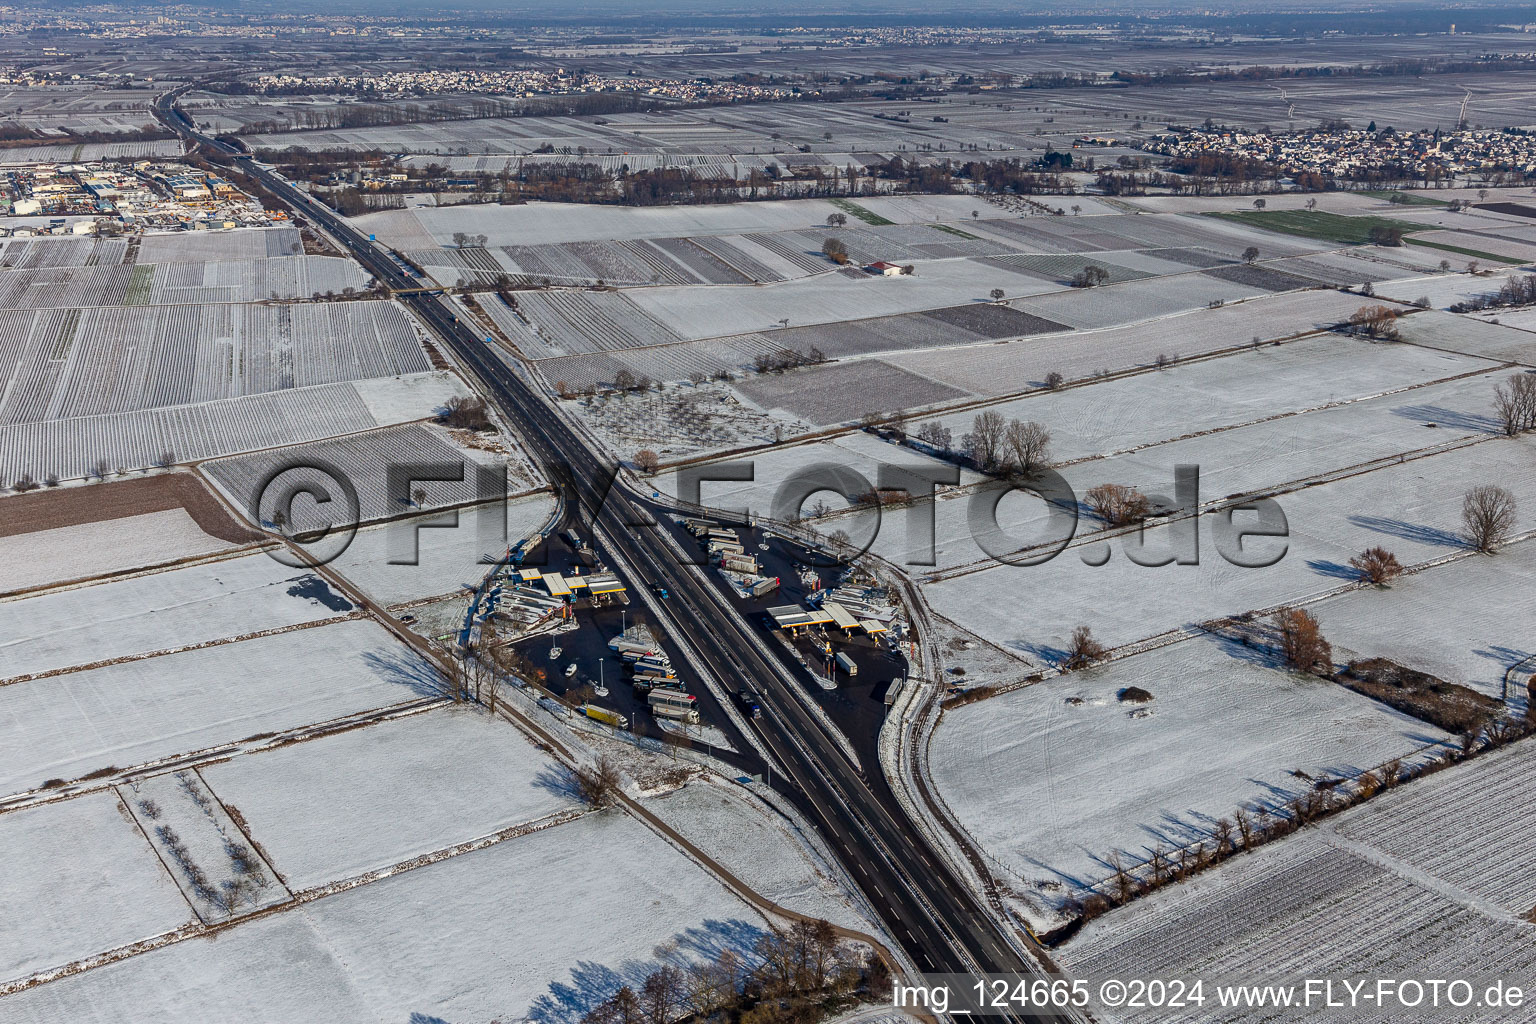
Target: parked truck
x=846, y=664
x=622, y=645
x=647, y=682
x=653, y=666
x=673, y=704
x=607, y=717
x=766, y=585
x=739, y=563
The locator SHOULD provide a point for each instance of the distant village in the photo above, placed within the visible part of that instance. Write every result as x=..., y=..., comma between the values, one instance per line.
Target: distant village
x=87, y=198
x=524, y=82
x=1352, y=153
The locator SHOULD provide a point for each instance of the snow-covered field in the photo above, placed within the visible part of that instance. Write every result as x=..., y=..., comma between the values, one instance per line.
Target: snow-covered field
x=1467, y=622
x=79, y=879
x=378, y=561
x=1472, y=335
x=1018, y=365
x=164, y=611
x=1441, y=878
x=139, y=711
x=100, y=549
x=540, y=927
x=710, y=312
x=756, y=845
x=1186, y=399
x=336, y=807
x=1414, y=509
x=1054, y=778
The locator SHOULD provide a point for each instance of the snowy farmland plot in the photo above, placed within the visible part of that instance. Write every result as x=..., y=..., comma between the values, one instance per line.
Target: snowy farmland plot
x=63, y=363
x=1465, y=622
x=752, y=841
x=81, y=876
x=1054, y=779
x=336, y=807
x=1022, y=364
x=1413, y=509
x=102, y=548
x=370, y=953
x=130, y=442
x=1244, y=387
x=1444, y=863
x=1474, y=336
x=366, y=461
x=132, y=713
x=163, y=611
x=254, y=280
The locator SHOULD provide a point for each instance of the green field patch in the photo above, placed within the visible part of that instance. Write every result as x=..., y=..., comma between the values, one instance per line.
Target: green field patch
x=855, y=210
x=140, y=282
x=1465, y=252
x=1409, y=198
x=948, y=230
x=1327, y=227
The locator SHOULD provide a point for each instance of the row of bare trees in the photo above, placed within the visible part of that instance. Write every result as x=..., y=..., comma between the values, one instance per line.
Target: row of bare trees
x=1005, y=447
x=800, y=974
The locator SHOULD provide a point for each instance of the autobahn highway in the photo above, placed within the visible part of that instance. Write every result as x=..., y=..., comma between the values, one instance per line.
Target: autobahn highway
x=925, y=907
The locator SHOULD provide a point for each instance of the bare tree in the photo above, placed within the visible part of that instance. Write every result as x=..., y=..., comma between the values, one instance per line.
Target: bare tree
x=985, y=440
x=1252, y=252
x=996, y=294
x=599, y=782
x=836, y=220
x=419, y=496
x=1054, y=380
x=1488, y=513
x=1301, y=641
x=1117, y=504
x=1083, y=650
x=835, y=250
x=1515, y=402
x=1375, y=322
x=936, y=435
x=1026, y=447
x=661, y=995
x=647, y=461
x=1377, y=565
x=466, y=413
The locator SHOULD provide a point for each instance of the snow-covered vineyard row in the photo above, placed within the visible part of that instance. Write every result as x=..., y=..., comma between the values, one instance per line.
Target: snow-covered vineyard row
x=90, y=151
x=30, y=253
x=561, y=323
x=178, y=247
x=199, y=246
x=61, y=363
x=253, y=280
x=1438, y=862
x=365, y=460
x=136, y=440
